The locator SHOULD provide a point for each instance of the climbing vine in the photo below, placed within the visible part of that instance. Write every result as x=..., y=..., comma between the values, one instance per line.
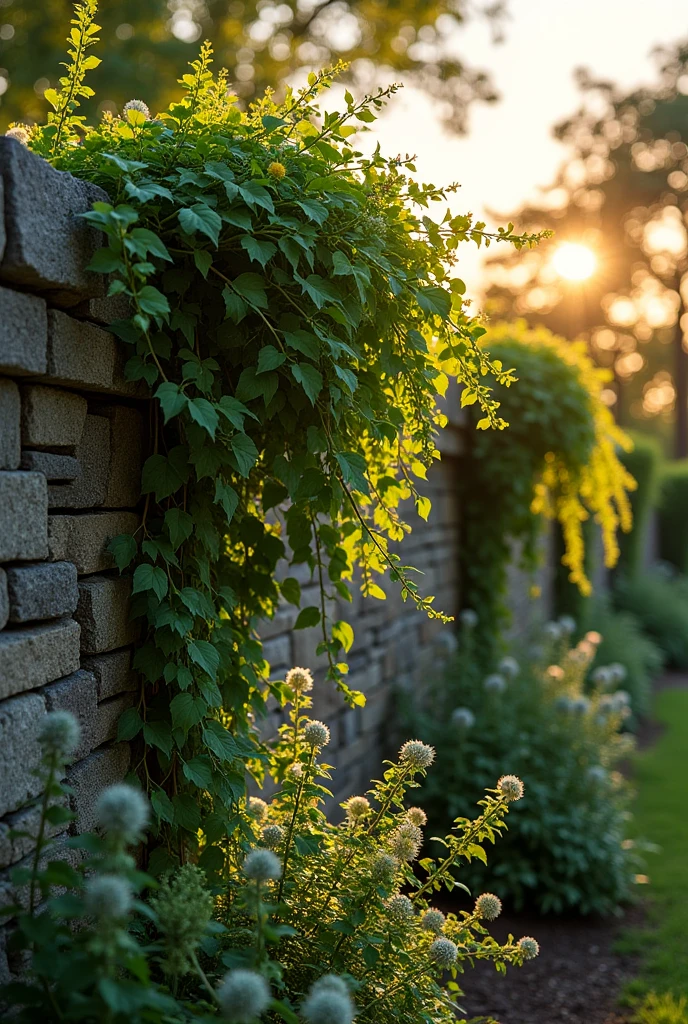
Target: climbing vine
x=295, y=316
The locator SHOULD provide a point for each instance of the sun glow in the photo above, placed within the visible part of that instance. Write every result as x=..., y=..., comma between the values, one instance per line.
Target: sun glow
x=574, y=262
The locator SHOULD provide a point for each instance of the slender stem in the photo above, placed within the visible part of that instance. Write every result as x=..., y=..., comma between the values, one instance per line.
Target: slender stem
x=204, y=980
x=40, y=838
x=389, y=991
x=292, y=823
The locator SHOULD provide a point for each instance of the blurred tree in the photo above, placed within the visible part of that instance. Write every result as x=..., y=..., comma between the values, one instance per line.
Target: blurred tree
x=623, y=192
x=260, y=42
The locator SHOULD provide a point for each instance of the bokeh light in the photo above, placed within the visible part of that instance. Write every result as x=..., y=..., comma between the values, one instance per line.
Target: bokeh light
x=574, y=262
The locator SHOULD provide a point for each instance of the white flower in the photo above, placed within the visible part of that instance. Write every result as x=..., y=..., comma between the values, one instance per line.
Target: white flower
x=356, y=807
x=416, y=754
x=511, y=787
x=568, y=624
x=618, y=672
x=138, y=105
x=273, y=836
x=18, y=132
x=244, y=996
x=59, y=734
x=123, y=812
x=300, y=680
x=433, y=921
x=405, y=841
x=260, y=865
x=509, y=667
x=328, y=1003
x=417, y=816
x=316, y=734
x=108, y=897
x=383, y=868
x=488, y=906
x=257, y=808
x=443, y=952
x=529, y=946
x=602, y=676
x=463, y=718
x=494, y=683
x=400, y=909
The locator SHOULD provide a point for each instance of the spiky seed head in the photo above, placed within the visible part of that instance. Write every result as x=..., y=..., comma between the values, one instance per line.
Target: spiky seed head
x=468, y=618
x=416, y=754
x=568, y=624
x=316, y=734
x=494, y=683
x=139, y=106
x=488, y=906
x=257, y=808
x=244, y=996
x=122, y=811
x=18, y=132
x=300, y=680
x=553, y=631
x=108, y=897
x=463, y=718
x=529, y=946
x=277, y=170
x=509, y=667
x=511, y=787
x=327, y=1005
x=417, y=816
x=405, y=841
x=580, y=705
x=261, y=865
x=601, y=676
x=443, y=952
x=384, y=868
x=356, y=807
x=400, y=909
x=433, y=921
x=59, y=735
x=618, y=672
x=273, y=836
x=330, y=982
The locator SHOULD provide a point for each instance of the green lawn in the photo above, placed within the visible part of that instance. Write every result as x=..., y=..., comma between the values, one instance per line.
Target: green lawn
x=661, y=817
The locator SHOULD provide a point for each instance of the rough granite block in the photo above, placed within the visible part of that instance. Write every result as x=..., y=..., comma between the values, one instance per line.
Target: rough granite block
x=83, y=539
x=10, y=425
x=126, y=457
x=44, y=591
x=55, y=468
x=37, y=655
x=83, y=355
x=113, y=672
x=105, y=310
x=20, y=721
x=23, y=334
x=107, y=718
x=93, y=455
x=48, y=245
x=52, y=418
x=103, y=614
x=88, y=779
x=23, y=516
x=78, y=694
x=13, y=848
x=4, y=600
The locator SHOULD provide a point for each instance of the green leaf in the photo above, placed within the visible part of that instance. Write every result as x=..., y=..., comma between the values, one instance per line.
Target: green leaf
x=309, y=378
x=349, y=378
x=203, y=413
x=226, y=496
x=252, y=288
x=172, y=399
x=197, y=602
x=433, y=300
x=165, y=474
x=123, y=550
x=130, y=724
x=255, y=195
x=353, y=467
x=159, y=734
x=308, y=617
x=217, y=739
x=199, y=771
x=291, y=590
x=314, y=210
x=304, y=342
x=344, y=634
x=105, y=261
x=162, y=806
x=179, y=525
x=319, y=290
x=152, y=301
x=270, y=122
x=235, y=411
x=269, y=358
x=201, y=218
x=187, y=711
x=245, y=453
x=259, y=251
x=203, y=260
x=148, y=242
x=149, y=577
x=235, y=306
x=203, y=654
x=187, y=813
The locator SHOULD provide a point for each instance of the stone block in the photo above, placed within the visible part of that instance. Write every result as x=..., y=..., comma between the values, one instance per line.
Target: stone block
x=113, y=672
x=83, y=539
x=52, y=418
x=88, y=778
x=85, y=356
x=55, y=468
x=12, y=849
x=103, y=613
x=23, y=516
x=126, y=457
x=36, y=655
x=23, y=334
x=4, y=600
x=93, y=454
x=10, y=425
x=78, y=694
x=48, y=244
x=44, y=591
x=104, y=310
x=107, y=719
x=20, y=722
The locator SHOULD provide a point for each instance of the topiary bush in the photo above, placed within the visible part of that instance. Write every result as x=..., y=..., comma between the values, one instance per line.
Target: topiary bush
x=659, y=602
x=643, y=462
x=566, y=847
x=673, y=525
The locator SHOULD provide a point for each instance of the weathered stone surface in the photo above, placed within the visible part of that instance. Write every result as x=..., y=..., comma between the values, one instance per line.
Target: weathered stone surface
x=103, y=613
x=37, y=655
x=52, y=418
x=93, y=455
x=44, y=591
x=83, y=355
x=12, y=849
x=23, y=334
x=126, y=457
x=48, y=245
x=89, y=778
x=10, y=428
x=20, y=721
x=4, y=600
x=113, y=672
x=107, y=719
x=78, y=694
x=83, y=539
x=104, y=310
x=55, y=468
x=23, y=516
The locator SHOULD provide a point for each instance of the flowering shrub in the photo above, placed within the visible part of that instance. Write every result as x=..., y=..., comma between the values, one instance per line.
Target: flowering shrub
x=307, y=921
x=566, y=846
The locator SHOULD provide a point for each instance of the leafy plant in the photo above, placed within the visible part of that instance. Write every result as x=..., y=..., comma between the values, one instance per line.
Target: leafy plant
x=662, y=1009
x=294, y=314
x=566, y=848
x=625, y=643
x=643, y=463
x=659, y=602
x=312, y=925
x=673, y=497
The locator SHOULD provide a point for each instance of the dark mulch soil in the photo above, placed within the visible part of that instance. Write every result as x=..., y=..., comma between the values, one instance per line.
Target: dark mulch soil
x=575, y=980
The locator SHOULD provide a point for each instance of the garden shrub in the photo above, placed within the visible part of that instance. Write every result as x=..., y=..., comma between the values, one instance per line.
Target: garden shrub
x=566, y=846
x=659, y=601
x=643, y=463
x=625, y=643
x=295, y=318
x=313, y=922
x=662, y=1009
x=673, y=522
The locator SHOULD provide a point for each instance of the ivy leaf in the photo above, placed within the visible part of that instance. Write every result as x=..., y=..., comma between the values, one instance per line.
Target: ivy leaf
x=270, y=122
x=143, y=192
x=197, y=602
x=187, y=711
x=291, y=250
x=273, y=494
x=226, y=496
x=304, y=342
x=252, y=288
x=348, y=376
x=201, y=218
x=269, y=358
x=353, y=467
x=235, y=306
x=159, y=734
x=309, y=378
x=147, y=241
x=165, y=474
x=198, y=770
x=130, y=724
x=343, y=634
x=255, y=195
x=152, y=301
x=245, y=453
x=105, y=261
x=203, y=654
x=234, y=411
x=314, y=210
x=150, y=577
x=172, y=399
x=203, y=413
x=259, y=251
x=123, y=550
x=162, y=806
x=217, y=739
x=308, y=617
x=291, y=590
x=317, y=289
x=433, y=300
x=179, y=526
x=203, y=260
x=186, y=811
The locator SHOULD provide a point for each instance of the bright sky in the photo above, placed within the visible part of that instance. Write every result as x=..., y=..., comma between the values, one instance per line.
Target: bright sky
x=509, y=151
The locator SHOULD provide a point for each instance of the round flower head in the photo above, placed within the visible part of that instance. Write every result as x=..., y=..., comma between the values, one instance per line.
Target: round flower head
x=257, y=808
x=529, y=946
x=463, y=718
x=433, y=921
x=405, y=841
x=260, y=865
x=316, y=734
x=593, y=637
x=511, y=787
x=596, y=774
x=327, y=1004
x=416, y=754
x=244, y=996
x=580, y=705
x=554, y=672
x=18, y=132
x=300, y=680
x=273, y=836
x=468, y=618
x=356, y=807
x=139, y=106
x=122, y=812
x=443, y=952
x=488, y=906
x=384, y=868
x=553, y=630
x=618, y=672
x=494, y=683
x=296, y=770
x=400, y=909
x=417, y=816
x=277, y=170
x=330, y=983
x=601, y=676
x=108, y=897
x=59, y=734
x=568, y=624
x=509, y=667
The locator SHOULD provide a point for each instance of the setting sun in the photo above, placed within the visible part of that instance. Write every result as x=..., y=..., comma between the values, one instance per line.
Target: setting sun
x=574, y=262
